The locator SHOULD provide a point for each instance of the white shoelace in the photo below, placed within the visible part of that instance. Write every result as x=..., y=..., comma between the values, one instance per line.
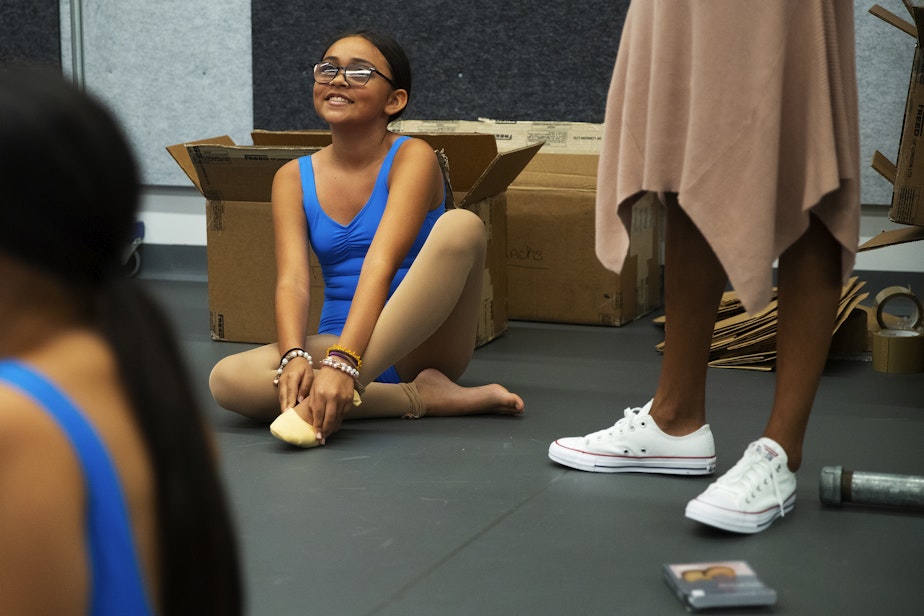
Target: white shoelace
x=631, y=417
x=751, y=473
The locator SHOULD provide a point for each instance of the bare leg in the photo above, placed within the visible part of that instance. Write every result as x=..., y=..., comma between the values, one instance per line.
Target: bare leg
x=809, y=284
x=694, y=281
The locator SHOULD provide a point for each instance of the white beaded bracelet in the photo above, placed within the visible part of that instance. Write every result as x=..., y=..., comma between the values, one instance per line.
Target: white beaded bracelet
x=330, y=362
x=358, y=389
x=289, y=357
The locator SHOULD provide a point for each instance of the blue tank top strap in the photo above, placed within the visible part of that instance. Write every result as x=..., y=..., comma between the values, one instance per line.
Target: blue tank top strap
x=118, y=587
x=390, y=158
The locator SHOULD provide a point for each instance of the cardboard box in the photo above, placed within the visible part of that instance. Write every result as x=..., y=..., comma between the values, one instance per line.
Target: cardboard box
x=236, y=181
x=561, y=137
x=907, y=174
x=553, y=273
x=552, y=268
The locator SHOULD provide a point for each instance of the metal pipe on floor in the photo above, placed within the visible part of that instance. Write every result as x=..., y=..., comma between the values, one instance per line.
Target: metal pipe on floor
x=838, y=486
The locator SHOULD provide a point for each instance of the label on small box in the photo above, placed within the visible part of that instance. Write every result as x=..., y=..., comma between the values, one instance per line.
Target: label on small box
x=707, y=585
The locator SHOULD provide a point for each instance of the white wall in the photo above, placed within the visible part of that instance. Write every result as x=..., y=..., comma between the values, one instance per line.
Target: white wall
x=177, y=71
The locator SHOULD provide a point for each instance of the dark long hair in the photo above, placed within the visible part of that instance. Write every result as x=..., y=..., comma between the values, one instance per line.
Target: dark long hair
x=394, y=54
x=69, y=193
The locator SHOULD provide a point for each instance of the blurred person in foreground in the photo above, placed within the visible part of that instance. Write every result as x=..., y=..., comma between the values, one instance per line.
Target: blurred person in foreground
x=110, y=498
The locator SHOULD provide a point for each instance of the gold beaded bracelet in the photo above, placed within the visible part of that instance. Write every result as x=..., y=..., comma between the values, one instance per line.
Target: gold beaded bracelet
x=351, y=355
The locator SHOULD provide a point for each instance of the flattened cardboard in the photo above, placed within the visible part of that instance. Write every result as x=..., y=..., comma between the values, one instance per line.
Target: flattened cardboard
x=893, y=238
x=908, y=184
x=748, y=342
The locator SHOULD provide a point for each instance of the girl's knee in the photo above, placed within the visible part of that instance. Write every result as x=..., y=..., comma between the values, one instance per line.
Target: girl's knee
x=221, y=382
x=463, y=227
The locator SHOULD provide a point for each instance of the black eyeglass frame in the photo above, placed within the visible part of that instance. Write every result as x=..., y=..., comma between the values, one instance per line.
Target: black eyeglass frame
x=350, y=67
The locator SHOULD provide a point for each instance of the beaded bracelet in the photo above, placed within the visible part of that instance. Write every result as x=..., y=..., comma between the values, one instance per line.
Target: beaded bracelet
x=333, y=362
x=358, y=389
x=289, y=356
x=343, y=357
x=342, y=351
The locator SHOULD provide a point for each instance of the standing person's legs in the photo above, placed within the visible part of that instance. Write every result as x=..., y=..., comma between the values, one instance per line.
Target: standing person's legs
x=678, y=441
x=761, y=486
x=809, y=282
x=694, y=281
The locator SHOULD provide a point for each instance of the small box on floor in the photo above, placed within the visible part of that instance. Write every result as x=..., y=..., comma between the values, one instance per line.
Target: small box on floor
x=722, y=584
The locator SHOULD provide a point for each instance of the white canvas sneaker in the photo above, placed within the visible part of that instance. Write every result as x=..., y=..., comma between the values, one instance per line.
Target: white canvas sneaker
x=756, y=491
x=635, y=443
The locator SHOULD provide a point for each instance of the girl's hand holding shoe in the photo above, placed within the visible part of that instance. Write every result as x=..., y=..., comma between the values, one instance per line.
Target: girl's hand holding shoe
x=330, y=400
x=294, y=381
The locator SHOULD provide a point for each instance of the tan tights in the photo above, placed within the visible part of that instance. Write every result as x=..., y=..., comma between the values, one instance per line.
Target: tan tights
x=429, y=322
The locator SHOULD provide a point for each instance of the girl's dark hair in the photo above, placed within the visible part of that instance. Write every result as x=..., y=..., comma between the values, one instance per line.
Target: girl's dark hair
x=70, y=196
x=394, y=54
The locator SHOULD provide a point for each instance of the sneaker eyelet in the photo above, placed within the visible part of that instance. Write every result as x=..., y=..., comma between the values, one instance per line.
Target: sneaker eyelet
x=644, y=451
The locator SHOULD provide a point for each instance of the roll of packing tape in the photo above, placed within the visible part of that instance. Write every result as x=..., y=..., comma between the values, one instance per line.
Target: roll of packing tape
x=898, y=351
x=897, y=296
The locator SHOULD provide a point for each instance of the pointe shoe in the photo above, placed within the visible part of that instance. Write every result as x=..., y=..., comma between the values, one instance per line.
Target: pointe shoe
x=292, y=429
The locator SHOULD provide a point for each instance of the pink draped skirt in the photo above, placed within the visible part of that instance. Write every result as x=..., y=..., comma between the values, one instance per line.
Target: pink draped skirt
x=747, y=109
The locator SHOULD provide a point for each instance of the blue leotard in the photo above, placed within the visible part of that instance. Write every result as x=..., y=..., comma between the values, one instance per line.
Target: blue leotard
x=117, y=584
x=341, y=249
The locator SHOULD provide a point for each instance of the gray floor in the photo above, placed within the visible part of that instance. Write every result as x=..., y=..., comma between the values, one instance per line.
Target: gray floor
x=468, y=516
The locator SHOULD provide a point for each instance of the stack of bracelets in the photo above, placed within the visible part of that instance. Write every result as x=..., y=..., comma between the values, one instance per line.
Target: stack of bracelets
x=338, y=357
x=346, y=361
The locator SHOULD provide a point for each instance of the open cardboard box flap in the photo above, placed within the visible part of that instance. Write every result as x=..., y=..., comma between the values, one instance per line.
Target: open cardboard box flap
x=180, y=154
x=223, y=171
x=475, y=167
x=500, y=173
x=559, y=171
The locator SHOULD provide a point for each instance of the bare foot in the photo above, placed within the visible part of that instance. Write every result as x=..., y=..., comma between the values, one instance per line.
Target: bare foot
x=444, y=397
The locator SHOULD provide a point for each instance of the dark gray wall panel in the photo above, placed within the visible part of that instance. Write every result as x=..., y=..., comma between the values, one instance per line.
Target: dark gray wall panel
x=30, y=31
x=545, y=61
